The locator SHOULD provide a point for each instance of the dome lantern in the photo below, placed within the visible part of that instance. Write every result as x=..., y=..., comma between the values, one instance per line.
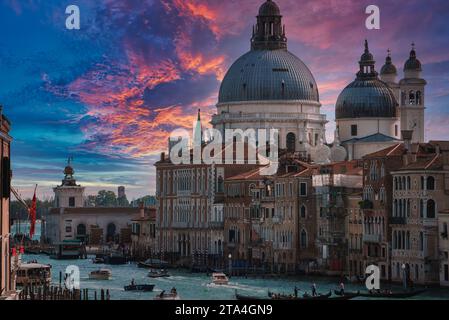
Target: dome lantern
x=367, y=64
x=269, y=33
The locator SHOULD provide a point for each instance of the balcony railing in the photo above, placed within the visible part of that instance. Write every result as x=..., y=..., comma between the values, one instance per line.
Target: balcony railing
x=216, y=225
x=371, y=238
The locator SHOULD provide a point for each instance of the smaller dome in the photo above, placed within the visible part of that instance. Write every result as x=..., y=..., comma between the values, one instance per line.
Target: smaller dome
x=269, y=9
x=388, y=67
x=366, y=99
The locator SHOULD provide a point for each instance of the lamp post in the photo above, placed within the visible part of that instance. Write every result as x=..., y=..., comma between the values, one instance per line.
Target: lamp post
x=230, y=264
x=404, y=276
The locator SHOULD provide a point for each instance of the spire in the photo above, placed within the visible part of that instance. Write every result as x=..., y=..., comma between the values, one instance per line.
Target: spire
x=269, y=33
x=367, y=63
x=199, y=115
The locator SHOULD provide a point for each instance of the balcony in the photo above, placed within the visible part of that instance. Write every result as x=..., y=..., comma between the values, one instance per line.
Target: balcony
x=216, y=225
x=398, y=220
x=374, y=238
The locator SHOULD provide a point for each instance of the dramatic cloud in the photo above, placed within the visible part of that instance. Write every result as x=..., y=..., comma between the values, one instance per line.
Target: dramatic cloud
x=112, y=92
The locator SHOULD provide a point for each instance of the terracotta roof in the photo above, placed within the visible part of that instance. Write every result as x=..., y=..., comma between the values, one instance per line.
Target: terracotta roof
x=393, y=151
x=250, y=175
x=427, y=162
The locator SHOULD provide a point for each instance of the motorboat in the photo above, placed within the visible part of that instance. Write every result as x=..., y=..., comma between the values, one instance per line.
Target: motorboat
x=220, y=279
x=158, y=274
x=152, y=264
x=139, y=287
x=101, y=274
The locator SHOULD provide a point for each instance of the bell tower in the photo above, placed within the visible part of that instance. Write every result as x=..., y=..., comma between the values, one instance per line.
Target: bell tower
x=412, y=103
x=69, y=194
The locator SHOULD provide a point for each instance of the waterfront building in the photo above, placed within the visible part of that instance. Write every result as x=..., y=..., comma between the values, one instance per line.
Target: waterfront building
x=371, y=112
x=265, y=217
x=70, y=220
x=190, y=210
x=377, y=206
x=143, y=233
x=355, y=266
x=443, y=222
x=420, y=191
x=7, y=280
x=333, y=184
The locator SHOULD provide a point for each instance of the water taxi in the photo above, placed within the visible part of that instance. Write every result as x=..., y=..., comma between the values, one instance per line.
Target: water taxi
x=220, y=279
x=102, y=274
x=158, y=274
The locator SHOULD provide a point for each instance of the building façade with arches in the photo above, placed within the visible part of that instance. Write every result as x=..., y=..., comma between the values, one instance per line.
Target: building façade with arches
x=71, y=220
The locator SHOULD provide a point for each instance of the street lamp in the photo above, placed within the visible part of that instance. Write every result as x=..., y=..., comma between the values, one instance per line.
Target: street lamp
x=230, y=264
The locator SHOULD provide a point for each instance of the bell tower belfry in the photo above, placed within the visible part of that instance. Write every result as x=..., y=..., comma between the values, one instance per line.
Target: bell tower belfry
x=412, y=102
x=69, y=194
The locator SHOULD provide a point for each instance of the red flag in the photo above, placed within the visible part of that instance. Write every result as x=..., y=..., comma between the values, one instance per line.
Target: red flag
x=33, y=215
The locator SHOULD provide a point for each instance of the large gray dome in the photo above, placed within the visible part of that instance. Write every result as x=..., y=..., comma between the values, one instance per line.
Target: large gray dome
x=370, y=98
x=262, y=75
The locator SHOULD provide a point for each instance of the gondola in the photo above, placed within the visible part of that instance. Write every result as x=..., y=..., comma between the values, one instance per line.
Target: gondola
x=392, y=295
x=245, y=297
x=397, y=295
x=346, y=295
x=308, y=298
x=140, y=287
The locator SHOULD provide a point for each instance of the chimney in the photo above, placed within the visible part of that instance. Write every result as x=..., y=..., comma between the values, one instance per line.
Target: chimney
x=407, y=136
x=142, y=209
x=163, y=156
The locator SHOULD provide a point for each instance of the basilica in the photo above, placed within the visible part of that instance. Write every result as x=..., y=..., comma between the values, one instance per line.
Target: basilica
x=317, y=213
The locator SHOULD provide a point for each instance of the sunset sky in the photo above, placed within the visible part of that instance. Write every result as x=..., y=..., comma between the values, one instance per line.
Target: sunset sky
x=110, y=93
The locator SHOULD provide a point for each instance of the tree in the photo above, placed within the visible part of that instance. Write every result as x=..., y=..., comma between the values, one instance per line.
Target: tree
x=90, y=201
x=106, y=199
x=123, y=201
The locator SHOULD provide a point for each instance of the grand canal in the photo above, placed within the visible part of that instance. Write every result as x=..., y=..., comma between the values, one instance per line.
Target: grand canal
x=195, y=286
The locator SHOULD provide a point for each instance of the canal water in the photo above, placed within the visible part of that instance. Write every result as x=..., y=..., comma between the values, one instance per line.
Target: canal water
x=196, y=286
x=192, y=286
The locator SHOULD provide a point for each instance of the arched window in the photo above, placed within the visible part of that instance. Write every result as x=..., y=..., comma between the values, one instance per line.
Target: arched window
x=411, y=97
x=303, y=239
x=421, y=241
x=303, y=211
x=110, y=232
x=418, y=98
x=430, y=183
x=409, y=183
x=291, y=142
x=422, y=183
x=430, y=209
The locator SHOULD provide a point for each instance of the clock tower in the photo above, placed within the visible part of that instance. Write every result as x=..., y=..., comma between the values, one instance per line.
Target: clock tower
x=412, y=98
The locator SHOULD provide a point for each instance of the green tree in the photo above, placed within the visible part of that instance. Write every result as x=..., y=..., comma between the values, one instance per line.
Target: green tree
x=106, y=199
x=123, y=201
